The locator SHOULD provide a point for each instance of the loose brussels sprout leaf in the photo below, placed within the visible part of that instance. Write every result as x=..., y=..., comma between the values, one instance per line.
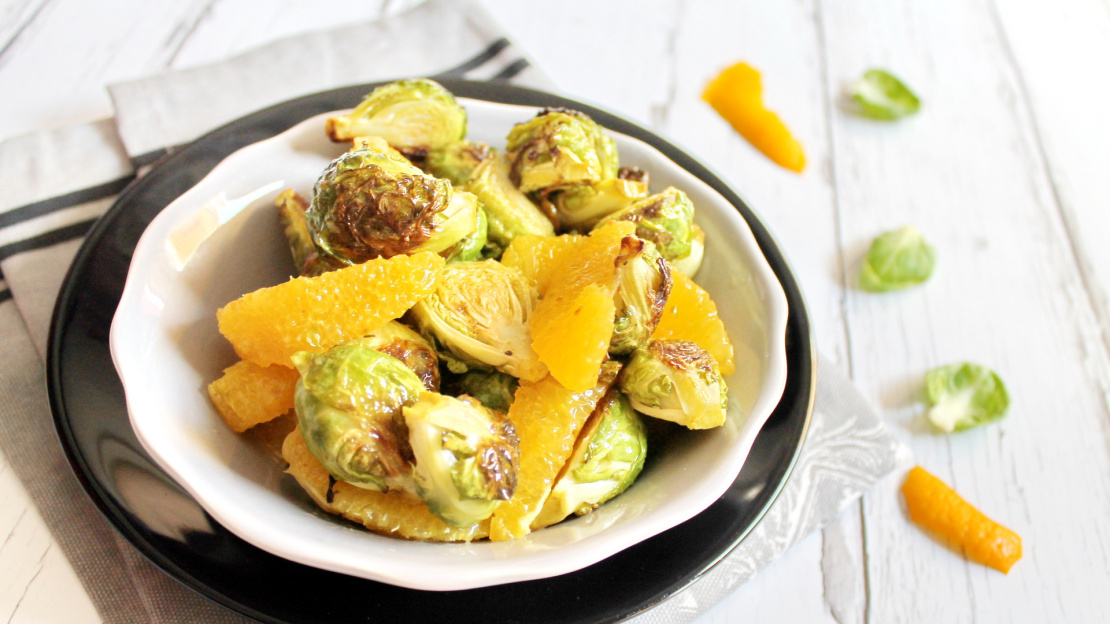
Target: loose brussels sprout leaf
x=676, y=380
x=643, y=285
x=607, y=458
x=413, y=350
x=493, y=389
x=560, y=147
x=879, y=95
x=667, y=220
x=368, y=204
x=897, y=259
x=348, y=404
x=456, y=161
x=689, y=264
x=414, y=116
x=479, y=312
x=964, y=395
x=580, y=207
x=509, y=211
x=466, y=457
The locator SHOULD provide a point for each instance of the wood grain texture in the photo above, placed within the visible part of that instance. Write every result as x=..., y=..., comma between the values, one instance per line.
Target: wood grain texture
x=1003, y=170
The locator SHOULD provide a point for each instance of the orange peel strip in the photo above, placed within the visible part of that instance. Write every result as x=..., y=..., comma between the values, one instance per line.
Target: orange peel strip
x=940, y=510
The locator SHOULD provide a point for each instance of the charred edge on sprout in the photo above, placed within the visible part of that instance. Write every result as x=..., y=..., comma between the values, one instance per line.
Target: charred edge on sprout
x=682, y=355
x=633, y=174
x=417, y=358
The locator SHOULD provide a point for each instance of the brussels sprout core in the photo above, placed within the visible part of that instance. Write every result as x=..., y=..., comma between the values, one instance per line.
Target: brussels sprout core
x=368, y=204
x=479, y=313
x=348, y=404
x=466, y=457
x=607, y=458
x=560, y=147
x=414, y=116
x=676, y=380
x=643, y=285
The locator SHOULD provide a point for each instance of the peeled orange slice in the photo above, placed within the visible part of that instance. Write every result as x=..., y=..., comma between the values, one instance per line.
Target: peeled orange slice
x=248, y=395
x=572, y=324
x=269, y=325
x=548, y=418
x=539, y=258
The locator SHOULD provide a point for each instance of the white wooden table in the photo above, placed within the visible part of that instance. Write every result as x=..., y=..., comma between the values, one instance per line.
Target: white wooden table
x=1005, y=171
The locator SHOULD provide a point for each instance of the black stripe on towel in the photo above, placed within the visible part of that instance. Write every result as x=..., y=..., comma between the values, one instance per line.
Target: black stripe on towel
x=46, y=239
x=512, y=70
x=493, y=50
x=61, y=202
x=5, y=295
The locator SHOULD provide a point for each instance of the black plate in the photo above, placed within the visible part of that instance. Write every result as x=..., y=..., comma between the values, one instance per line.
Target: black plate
x=91, y=417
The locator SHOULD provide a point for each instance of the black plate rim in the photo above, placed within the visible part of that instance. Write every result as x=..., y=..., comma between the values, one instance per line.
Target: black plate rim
x=490, y=91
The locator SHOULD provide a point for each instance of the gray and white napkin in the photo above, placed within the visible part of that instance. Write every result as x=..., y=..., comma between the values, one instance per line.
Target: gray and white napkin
x=50, y=204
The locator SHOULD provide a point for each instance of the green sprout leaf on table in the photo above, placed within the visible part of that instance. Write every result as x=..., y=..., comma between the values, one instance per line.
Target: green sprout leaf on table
x=897, y=259
x=964, y=395
x=880, y=95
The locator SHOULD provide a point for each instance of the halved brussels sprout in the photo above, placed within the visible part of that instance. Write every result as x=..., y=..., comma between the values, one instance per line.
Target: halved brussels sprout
x=348, y=404
x=414, y=116
x=580, y=207
x=965, y=395
x=676, y=380
x=471, y=247
x=666, y=219
x=369, y=204
x=607, y=458
x=466, y=456
x=643, y=285
x=413, y=350
x=560, y=147
x=494, y=389
x=479, y=313
x=456, y=161
x=509, y=211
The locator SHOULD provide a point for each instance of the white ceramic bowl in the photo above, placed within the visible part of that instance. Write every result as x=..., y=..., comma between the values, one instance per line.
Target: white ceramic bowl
x=222, y=239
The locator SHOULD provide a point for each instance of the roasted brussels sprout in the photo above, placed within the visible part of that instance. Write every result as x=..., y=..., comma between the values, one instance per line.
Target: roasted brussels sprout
x=509, y=211
x=479, y=313
x=348, y=404
x=471, y=247
x=368, y=204
x=643, y=285
x=413, y=350
x=456, y=161
x=580, y=207
x=414, y=116
x=466, y=456
x=560, y=147
x=608, y=456
x=493, y=389
x=676, y=380
x=666, y=219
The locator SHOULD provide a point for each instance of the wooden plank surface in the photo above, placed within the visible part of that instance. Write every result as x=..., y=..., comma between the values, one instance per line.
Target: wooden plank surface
x=1003, y=170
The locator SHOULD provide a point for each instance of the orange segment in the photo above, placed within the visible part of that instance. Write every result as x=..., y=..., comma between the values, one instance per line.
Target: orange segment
x=539, y=258
x=317, y=313
x=737, y=95
x=389, y=513
x=937, y=508
x=690, y=314
x=572, y=324
x=547, y=418
x=248, y=395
